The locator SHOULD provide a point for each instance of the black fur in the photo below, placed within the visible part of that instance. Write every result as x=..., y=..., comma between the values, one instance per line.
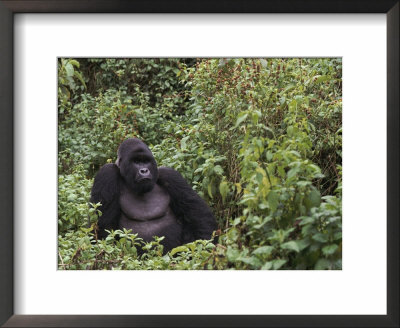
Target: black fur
x=137, y=169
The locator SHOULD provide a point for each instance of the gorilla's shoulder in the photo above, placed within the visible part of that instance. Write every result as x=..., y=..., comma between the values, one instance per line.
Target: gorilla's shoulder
x=109, y=167
x=174, y=182
x=106, y=179
x=168, y=175
x=109, y=170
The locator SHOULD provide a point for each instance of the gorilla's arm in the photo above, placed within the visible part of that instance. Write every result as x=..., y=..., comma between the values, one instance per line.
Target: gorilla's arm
x=106, y=190
x=187, y=204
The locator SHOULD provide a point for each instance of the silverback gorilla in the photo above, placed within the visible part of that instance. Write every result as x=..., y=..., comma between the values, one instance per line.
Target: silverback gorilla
x=135, y=194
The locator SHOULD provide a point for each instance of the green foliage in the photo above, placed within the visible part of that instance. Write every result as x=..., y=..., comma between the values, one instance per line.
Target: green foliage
x=73, y=196
x=259, y=139
x=154, y=85
x=68, y=76
x=119, y=251
x=90, y=134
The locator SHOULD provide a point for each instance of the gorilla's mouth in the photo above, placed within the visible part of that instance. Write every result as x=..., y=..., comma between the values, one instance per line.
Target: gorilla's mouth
x=143, y=180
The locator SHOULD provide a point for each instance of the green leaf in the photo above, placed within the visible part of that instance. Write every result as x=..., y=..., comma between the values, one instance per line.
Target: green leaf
x=209, y=190
x=241, y=118
x=306, y=220
x=267, y=266
x=322, y=78
x=330, y=249
x=291, y=246
x=232, y=254
x=281, y=171
x=288, y=88
x=253, y=261
x=313, y=199
x=218, y=169
x=322, y=264
x=223, y=189
x=72, y=197
x=273, y=199
x=264, y=63
x=277, y=264
x=236, y=221
x=79, y=77
x=320, y=237
x=293, y=105
x=74, y=62
x=263, y=250
x=222, y=62
x=337, y=236
x=69, y=69
x=303, y=243
x=178, y=249
x=183, y=143
x=303, y=183
x=292, y=172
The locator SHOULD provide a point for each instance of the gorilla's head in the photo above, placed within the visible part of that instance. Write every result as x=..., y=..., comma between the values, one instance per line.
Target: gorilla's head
x=137, y=165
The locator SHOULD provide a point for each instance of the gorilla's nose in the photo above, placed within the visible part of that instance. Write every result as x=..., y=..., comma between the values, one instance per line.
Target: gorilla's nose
x=144, y=171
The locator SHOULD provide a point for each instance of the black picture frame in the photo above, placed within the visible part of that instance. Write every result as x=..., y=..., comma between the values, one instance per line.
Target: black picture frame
x=10, y=7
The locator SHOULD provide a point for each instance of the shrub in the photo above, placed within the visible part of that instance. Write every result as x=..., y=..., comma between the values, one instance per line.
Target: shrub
x=259, y=139
x=73, y=196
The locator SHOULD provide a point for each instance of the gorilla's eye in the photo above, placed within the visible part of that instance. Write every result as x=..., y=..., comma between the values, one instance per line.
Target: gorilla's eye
x=140, y=160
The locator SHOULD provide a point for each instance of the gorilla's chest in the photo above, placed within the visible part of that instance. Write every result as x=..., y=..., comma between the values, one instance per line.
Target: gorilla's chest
x=149, y=215
x=145, y=207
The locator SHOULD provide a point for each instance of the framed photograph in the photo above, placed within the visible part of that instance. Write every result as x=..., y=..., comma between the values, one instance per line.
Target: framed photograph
x=184, y=148
x=270, y=78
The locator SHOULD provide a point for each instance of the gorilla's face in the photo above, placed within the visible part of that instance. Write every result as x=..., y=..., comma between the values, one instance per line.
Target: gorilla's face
x=137, y=165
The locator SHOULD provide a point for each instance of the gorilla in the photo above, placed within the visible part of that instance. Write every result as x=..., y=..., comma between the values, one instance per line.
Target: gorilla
x=135, y=194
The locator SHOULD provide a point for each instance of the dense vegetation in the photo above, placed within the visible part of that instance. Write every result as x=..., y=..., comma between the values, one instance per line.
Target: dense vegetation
x=259, y=139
